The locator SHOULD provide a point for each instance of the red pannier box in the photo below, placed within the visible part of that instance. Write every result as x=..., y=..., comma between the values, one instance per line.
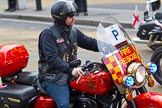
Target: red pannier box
x=13, y=58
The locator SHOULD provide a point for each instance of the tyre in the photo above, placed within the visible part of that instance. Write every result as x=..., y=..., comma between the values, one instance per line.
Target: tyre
x=154, y=47
x=157, y=59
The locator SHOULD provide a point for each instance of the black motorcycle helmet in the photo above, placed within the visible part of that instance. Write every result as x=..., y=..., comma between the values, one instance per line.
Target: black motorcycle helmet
x=61, y=9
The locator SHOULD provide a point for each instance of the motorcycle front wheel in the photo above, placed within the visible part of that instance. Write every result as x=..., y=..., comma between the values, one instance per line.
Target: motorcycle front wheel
x=157, y=59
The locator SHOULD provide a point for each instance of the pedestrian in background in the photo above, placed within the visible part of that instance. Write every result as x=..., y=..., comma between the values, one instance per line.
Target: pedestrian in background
x=11, y=5
x=78, y=3
x=82, y=7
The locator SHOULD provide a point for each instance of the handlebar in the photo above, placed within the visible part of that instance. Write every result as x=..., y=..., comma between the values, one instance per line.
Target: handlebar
x=75, y=63
x=92, y=66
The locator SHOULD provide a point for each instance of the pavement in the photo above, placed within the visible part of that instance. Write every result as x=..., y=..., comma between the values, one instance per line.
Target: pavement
x=97, y=10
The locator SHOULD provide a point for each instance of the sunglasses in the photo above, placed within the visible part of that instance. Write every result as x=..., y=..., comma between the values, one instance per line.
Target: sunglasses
x=71, y=14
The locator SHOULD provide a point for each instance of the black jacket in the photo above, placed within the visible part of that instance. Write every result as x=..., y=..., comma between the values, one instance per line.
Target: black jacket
x=51, y=53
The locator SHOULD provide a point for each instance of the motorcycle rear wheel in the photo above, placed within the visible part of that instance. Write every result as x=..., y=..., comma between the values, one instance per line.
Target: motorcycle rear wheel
x=157, y=59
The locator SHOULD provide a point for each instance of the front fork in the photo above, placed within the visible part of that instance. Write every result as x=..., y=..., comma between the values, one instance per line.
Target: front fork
x=131, y=103
x=142, y=89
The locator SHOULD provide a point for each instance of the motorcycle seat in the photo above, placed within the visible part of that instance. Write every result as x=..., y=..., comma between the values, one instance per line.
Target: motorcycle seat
x=27, y=78
x=40, y=88
x=21, y=93
x=31, y=78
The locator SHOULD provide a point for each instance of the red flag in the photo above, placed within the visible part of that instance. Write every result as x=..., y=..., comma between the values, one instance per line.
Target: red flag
x=136, y=20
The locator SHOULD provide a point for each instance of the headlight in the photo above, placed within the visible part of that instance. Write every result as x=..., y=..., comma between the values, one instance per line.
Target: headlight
x=138, y=71
x=140, y=74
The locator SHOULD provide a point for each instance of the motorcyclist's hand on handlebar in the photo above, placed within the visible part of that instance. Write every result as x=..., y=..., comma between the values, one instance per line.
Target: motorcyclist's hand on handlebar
x=77, y=72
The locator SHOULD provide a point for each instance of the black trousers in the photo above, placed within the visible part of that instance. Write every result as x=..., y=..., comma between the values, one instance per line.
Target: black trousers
x=11, y=4
x=82, y=5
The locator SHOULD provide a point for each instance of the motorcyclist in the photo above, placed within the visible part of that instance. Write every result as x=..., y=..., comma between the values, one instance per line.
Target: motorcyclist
x=58, y=46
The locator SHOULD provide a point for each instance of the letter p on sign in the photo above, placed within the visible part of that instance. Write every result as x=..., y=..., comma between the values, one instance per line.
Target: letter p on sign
x=115, y=34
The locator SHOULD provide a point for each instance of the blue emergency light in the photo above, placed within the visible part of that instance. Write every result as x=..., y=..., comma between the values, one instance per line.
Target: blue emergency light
x=153, y=68
x=129, y=81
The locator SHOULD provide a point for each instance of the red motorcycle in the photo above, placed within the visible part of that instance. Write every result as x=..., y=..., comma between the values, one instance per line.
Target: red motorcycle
x=118, y=81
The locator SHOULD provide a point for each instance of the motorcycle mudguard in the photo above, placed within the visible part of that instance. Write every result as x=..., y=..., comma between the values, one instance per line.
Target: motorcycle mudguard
x=148, y=100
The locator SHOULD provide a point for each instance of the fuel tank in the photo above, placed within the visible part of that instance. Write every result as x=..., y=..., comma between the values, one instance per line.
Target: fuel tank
x=93, y=83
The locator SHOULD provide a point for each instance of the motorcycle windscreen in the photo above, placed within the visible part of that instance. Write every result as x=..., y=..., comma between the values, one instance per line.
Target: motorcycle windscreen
x=116, y=49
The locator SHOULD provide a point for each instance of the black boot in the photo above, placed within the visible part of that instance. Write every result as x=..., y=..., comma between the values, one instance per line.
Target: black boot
x=9, y=6
x=85, y=13
x=13, y=6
